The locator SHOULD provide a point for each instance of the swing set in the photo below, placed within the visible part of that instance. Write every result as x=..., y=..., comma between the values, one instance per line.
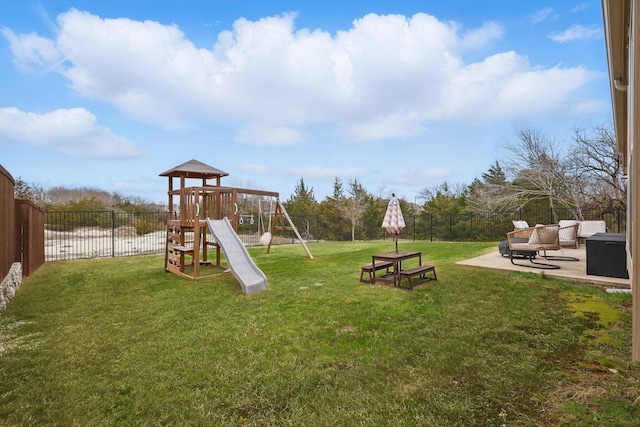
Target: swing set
x=188, y=238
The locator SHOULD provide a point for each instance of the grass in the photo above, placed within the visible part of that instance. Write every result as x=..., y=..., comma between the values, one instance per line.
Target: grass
x=121, y=342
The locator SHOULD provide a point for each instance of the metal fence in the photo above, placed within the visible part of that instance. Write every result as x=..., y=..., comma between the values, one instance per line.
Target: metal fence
x=93, y=234
x=73, y=234
x=461, y=227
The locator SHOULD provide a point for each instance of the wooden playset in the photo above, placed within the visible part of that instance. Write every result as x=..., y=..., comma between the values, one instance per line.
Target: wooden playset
x=188, y=240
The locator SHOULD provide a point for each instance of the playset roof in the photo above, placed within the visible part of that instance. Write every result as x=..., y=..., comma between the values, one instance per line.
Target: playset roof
x=194, y=169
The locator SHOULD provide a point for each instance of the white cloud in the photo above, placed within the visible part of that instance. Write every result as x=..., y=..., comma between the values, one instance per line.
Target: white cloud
x=385, y=77
x=542, y=15
x=383, y=128
x=478, y=38
x=577, y=32
x=507, y=86
x=580, y=7
x=31, y=50
x=73, y=132
x=523, y=88
x=589, y=107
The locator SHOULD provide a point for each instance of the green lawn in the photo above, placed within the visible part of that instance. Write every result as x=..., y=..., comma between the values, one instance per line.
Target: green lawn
x=120, y=342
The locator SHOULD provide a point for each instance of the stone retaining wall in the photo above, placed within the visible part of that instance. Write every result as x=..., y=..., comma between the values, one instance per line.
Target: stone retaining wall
x=10, y=285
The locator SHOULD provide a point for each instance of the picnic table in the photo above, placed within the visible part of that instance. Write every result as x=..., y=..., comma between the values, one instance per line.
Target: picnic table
x=397, y=273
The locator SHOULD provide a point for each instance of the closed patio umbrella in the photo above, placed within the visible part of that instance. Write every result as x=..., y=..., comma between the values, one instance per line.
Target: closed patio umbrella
x=393, y=220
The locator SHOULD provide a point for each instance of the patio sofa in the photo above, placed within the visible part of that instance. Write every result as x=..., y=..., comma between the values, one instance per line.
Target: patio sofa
x=589, y=228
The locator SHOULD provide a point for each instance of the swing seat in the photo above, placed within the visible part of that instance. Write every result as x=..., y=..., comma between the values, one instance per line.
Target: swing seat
x=265, y=239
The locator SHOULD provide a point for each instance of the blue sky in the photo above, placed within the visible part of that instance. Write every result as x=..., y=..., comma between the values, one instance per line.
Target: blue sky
x=401, y=95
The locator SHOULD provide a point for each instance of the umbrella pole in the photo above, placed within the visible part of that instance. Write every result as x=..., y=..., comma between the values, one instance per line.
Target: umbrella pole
x=396, y=239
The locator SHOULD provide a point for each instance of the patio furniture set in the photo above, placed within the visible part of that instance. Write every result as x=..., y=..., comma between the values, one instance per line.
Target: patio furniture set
x=391, y=262
x=526, y=242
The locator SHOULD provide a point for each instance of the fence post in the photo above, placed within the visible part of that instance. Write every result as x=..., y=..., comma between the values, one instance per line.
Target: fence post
x=414, y=227
x=618, y=218
x=113, y=234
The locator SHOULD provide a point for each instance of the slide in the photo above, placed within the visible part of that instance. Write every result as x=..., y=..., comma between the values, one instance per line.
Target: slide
x=251, y=278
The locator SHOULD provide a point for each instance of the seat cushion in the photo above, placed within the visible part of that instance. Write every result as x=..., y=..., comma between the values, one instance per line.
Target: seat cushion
x=589, y=228
x=535, y=238
x=520, y=224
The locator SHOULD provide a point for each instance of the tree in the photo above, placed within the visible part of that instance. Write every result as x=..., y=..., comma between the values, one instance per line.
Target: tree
x=329, y=213
x=492, y=192
x=26, y=191
x=302, y=204
x=541, y=171
x=79, y=198
x=444, y=198
x=353, y=205
x=440, y=212
x=495, y=175
x=338, y=189
x=597, y=159
x=133, y=204
x=22, y=190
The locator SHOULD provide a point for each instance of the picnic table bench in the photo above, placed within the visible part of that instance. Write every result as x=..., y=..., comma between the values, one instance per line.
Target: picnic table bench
x=421, y=272
x=384, y=265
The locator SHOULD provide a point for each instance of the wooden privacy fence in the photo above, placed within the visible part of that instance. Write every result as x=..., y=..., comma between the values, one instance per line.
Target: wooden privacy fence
x=7, y=223
x=29, y=235
x=22, y=230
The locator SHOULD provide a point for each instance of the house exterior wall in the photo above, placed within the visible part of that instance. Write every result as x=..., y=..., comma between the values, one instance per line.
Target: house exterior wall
x=622, y=34
x=633, y=141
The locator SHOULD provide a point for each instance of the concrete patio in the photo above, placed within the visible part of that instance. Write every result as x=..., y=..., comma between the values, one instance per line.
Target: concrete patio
x=571, y=270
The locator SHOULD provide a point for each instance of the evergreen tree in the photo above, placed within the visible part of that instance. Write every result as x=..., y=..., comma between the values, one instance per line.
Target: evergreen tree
x=495, y=175
x=330, y=215
x=302, y=207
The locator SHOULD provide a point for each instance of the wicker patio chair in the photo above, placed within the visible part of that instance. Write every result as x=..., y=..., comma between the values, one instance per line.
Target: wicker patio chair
x=568, y=233
x=532, y=240
x=567, y=238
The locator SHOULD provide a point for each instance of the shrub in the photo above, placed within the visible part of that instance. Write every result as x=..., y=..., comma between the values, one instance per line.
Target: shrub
x=145, y=225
